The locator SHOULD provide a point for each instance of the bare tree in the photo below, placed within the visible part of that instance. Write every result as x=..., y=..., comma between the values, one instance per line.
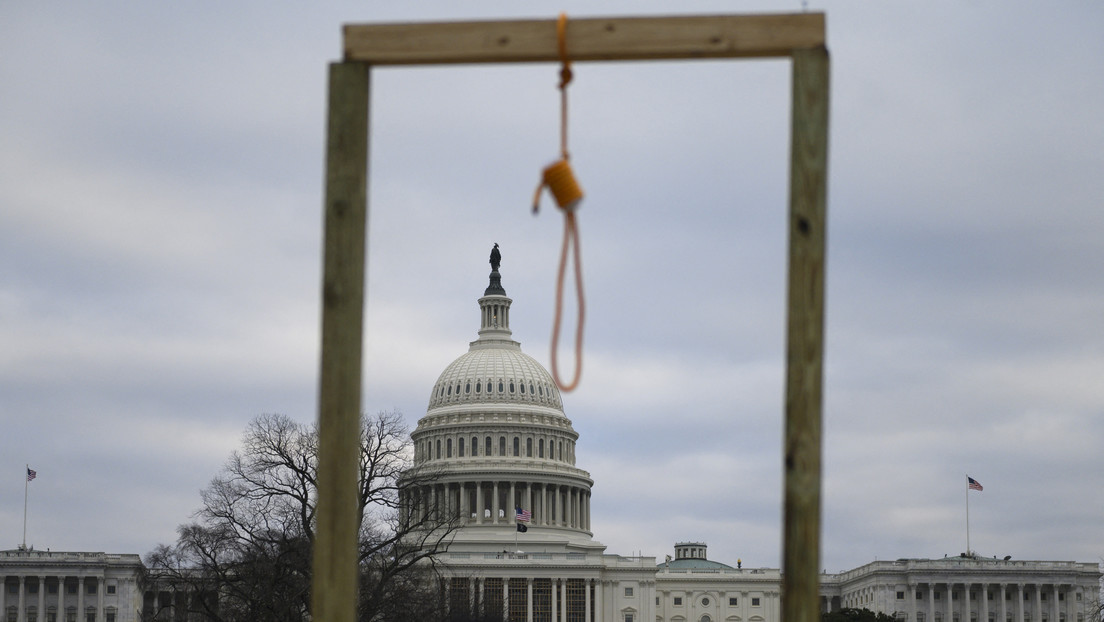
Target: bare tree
x=247, y=556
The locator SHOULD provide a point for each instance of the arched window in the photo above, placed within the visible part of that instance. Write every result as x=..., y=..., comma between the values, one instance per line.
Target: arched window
x=502, y=445
x=478, y=386
x=511, y=386
x=438, y=449
x=540, y=449
x=517, y=447
x=487, y=447
x=448, y=448
x=529, y=447
x=467, y=388
x=500, y=386
x=475, y=446
x=561, y=450
x=460, y=447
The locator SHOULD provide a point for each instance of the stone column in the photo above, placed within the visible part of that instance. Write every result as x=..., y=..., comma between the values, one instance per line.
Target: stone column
x=511, y=502
x=949, y=616
x=21, y=614
x=586, y=600
x=911, y=587
x=599, y=613
x=100, y=589
x=529, y=499
x=1020, y=602
x=529, y=595
x=966, y=602
x=41, y=599
x=1054, y=611
x=984, y=611
x=80, y=598
x=1003, y=607
x=552, y=594
x=544, y=504
x=481, y=608
x=563, y=597
x=494, y=505
x=479, y=503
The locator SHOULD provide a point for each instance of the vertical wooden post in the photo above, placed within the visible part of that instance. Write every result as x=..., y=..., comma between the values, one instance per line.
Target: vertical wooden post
x=805, y=336
x=334, y=585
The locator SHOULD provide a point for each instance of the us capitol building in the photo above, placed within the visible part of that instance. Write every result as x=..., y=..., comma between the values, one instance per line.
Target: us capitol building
x=501, y=452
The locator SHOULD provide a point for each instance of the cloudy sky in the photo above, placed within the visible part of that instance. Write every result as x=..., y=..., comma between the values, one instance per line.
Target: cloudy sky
x=160, y=230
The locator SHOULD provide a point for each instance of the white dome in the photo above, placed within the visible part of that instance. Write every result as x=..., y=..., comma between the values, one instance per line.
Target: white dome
x=501, y=374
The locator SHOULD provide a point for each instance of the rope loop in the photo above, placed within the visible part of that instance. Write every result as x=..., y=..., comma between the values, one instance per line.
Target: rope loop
x=561, y=182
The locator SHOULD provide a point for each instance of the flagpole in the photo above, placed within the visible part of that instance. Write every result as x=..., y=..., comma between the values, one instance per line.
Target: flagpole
x=26, y=487
x=967, y=514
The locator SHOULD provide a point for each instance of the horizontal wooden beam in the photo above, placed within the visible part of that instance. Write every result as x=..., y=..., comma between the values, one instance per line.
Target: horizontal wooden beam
x=588, y=39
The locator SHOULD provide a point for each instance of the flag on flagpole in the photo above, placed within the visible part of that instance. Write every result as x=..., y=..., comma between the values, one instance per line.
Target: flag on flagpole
x=523, y=516
x=31, y=474
x=522, y=528
x=973, y=484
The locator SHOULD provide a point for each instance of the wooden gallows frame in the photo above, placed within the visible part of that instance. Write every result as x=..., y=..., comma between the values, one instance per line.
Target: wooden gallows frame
x=799, y=37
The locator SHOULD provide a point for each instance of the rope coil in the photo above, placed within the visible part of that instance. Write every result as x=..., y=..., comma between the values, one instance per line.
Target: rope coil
x=560, y=181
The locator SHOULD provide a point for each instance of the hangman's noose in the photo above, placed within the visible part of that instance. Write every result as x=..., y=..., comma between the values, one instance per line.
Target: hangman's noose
x=565, y=189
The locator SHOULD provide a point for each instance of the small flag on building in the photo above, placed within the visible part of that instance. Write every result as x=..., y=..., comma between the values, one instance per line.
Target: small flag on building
x=31, y=474
x=522, y=528
x=523, y=516
x=973, y=484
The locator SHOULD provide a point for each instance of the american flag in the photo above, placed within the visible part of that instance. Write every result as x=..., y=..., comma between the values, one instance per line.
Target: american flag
x=523, y=516
x=973, y=484
x=31, y=474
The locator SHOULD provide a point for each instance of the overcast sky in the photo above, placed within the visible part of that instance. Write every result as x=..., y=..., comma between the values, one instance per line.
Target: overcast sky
x=160, y=240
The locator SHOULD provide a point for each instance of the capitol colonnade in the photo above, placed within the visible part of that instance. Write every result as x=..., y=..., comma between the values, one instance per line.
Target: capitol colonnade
x=44, y=586
x=493, y=503
x=968, y=589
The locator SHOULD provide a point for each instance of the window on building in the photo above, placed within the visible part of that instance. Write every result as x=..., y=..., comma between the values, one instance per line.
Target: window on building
x=13, y=588
x=919, y=616
x=540, y=448
x=1061, y=595
x=502, y=445
x=705, y=602
x=919, y=595
x=900, y=595
x=475, y=446
x=954, y=595
x=71, y=614
x=460, y=447
x=438, y=449
x=754, y=602
x=938, y=595
x=517, y=447
x=91, y=588
x=1042, y=596
x=529, y=447
x=628, y=617
x=1079, y=597
x=448, y=448
x=628, y=592
x=678, y=601
x=706, y=618
x=110, y=589
x=487, y=447
x=988, y=595
x=32, y=588
x=32, y=614
x=732, y=602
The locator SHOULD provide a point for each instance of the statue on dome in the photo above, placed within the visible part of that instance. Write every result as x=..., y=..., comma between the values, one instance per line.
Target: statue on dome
x=496, y=258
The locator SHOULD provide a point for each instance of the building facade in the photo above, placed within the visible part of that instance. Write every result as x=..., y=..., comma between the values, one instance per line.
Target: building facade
x=968, y=589
x=45, y=586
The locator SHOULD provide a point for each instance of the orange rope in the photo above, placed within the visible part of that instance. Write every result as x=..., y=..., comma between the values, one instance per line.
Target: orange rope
x=571, y=232
x=565, y=189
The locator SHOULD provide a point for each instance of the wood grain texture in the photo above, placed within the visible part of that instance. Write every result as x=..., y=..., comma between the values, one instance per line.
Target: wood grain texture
x=805, y=337
x=588, y=39
x=334, y=585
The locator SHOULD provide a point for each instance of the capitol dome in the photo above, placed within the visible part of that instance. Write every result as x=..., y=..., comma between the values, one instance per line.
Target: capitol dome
x=496, y=441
